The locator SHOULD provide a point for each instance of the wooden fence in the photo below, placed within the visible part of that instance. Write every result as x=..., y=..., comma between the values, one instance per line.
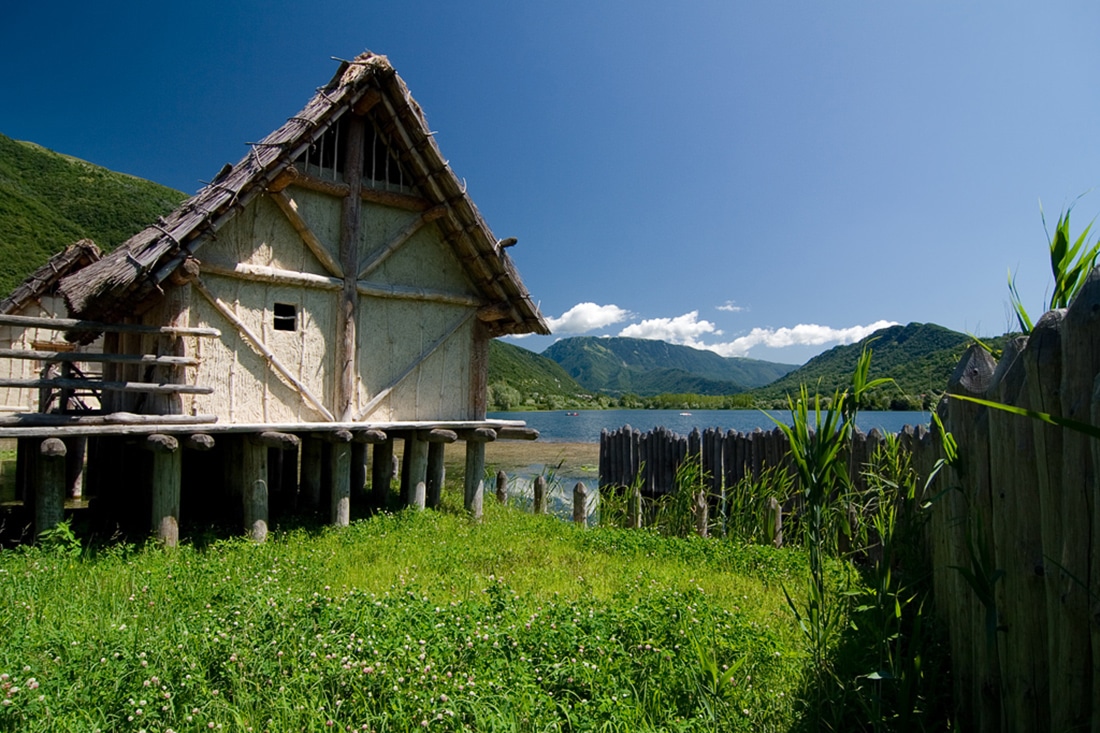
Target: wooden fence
x=1014, y=534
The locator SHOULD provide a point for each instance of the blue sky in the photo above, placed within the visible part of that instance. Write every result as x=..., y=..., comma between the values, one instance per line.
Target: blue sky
x=762, y=179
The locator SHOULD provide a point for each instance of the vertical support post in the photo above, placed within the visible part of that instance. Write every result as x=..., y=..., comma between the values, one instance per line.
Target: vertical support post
x=75, y=448
x=252, y=477
x=347, y=361
x=475, y=471
x=502, y=487
x=416, y=449
x=634, y=515
x=311, y=472
x=539, y=498
x=49, y=494
x=165, y=487
x=580, y=504
x=436, y=474
x=358, y=469
x=701, y=512
x=381, y=473
x=340, y=472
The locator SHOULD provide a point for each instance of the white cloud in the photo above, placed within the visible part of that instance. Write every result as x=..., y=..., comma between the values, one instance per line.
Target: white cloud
x=585, y=317
x=730, y=307
x=685, y=329
x=804, y=334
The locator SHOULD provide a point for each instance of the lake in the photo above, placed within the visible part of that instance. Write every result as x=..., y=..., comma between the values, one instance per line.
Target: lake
x=584, y=426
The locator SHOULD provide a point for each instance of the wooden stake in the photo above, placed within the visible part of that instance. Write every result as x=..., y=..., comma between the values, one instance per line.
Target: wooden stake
x=435, y=473
x=167, y=466
x=341, y=484
x=418, y=472
x=539, y=500
x=474, y=493
x=311, y=472
x=502, y=487
x=580, y=504
x=381, y=471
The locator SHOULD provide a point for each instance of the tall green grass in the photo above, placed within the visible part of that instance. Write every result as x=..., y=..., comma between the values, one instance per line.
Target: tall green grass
x=405, y=621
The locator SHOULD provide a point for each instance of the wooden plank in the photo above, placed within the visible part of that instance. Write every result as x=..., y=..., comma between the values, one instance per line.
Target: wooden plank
x=78, y=356
x=62, y=383
x=72, y=324
x=474, y=494
x=289, y=207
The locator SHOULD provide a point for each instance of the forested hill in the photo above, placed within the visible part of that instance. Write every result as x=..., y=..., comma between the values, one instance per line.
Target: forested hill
x=920, y=357
x=48, y=201
x=647, y=367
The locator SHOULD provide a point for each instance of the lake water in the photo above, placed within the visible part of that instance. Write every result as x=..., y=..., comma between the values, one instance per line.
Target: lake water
x=584, y=426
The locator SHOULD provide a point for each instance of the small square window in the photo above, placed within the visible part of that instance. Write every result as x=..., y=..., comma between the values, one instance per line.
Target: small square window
x=286, y=317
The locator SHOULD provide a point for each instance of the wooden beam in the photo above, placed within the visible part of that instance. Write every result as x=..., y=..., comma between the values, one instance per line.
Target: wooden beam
x=150, y=387
x=439, y=435
x=517, y=434
x=289, y=207
x=258, y=344
x=275, y=439
x=371, y=437
x=77, y=356
x=350, y=222
x=405, y=292
x=72, y=324
x=263, y=273
x=375, y=260
x=373, y=403
x=408, y=202
x=114, y=418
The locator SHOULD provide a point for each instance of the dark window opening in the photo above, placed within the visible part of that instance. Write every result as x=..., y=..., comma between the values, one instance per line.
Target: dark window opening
x=286, y=317
x=325, y=156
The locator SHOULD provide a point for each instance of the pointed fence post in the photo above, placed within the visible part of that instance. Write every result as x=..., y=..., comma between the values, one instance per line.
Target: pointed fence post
x=580, y=504
x=539, y=505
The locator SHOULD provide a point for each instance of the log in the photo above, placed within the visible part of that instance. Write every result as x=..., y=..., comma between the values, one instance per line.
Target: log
x=275, y=439
x=340, y=487
x=436, y=474
x=701, y=509
x=517, y=434
x=475, y=477
x=60, y=422
x=440, y=436
x=166, y=479
x=775, y=522
x=98, y=357
x=95, y=384
x=372, y=436
x=251, y=479
x=199, y=442
x=418, y=472
x=502, y=487
x=72, y=324
x=311, y=472
x=381, y=471
x=49, y=493
x=580, y=504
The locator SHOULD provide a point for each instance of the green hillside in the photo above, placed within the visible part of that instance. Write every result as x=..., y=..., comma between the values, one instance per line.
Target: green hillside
x=48, y=201
x=647, y=367
x=523, y=380
x=920, y=357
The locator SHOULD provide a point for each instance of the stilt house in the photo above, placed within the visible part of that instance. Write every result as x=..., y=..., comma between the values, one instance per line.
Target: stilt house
x=336, y=287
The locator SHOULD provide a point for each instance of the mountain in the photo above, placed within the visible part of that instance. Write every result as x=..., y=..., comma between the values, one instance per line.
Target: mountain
x=522, y=379
x=920, y=357
x=48, y=201
x=646, y=367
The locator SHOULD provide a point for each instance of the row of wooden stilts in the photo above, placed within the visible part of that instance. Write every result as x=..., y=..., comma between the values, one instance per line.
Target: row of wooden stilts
x=149, y=474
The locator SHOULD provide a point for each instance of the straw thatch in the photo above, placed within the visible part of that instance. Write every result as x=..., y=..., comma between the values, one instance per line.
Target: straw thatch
x=128, y=281
x=41, y=282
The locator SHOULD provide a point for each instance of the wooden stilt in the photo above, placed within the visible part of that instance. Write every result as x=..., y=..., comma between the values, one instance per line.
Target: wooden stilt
x=475, y=478
x=165, y=487
x=381, y=472
x=49, y=495
x=435, y=474
x=75, y=447
x=337, y=477
x=252, y=486
x=417, y=479
x=358, y=470
x=311, y=473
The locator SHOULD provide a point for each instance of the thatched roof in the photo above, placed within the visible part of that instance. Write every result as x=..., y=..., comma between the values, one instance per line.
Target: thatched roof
x=129, y=279
x=41, y=281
